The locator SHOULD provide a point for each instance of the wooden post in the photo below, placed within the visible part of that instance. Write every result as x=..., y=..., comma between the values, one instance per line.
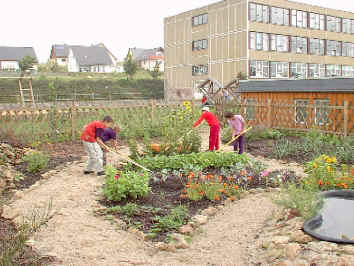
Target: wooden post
x=345, y=129
x=72, y=110
x=269, y=113
x=152, y=109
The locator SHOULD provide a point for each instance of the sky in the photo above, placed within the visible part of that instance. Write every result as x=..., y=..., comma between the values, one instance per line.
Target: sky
x=116, y=23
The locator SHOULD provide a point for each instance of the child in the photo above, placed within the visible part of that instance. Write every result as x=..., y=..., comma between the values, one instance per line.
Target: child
x=92, y=139
x=214, y=127
x=237, y=123
x=109, y=134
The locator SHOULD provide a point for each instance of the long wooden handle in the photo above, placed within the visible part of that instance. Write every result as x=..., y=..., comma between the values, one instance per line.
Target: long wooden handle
x=186, y=134
x=126, y=158
x=236, y=137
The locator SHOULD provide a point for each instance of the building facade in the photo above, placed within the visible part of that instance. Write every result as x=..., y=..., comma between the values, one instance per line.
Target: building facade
x=256, y=39
x=148, y=58
x=11, y=56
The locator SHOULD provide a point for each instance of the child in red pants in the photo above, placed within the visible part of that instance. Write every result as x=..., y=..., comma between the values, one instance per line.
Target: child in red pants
x=214, y=127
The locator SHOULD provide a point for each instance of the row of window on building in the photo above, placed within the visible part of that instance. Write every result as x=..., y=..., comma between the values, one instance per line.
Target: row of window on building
x=302, y=111
x=300, y=19
x=200, y=70
x=302, y=45
x=266, y=69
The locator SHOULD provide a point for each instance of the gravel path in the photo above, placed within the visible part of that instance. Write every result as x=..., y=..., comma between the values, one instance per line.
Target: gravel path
x=77, y=237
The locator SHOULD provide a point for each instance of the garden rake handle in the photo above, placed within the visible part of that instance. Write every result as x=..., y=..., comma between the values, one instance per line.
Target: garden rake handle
x=125, y=157
x=236, y=137
x=186, y=134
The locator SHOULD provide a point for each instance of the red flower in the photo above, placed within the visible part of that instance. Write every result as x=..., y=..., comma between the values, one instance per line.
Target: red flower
x=117, y=176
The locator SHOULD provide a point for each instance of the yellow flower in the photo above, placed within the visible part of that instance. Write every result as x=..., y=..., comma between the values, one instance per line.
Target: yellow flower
x=315, y=165
x=329, y=160
x=328, y=169
x=186, y=103
x=334, y=159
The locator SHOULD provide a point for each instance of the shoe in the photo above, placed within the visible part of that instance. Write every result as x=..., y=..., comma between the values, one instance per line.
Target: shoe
x=100, y=173
x=88, y=172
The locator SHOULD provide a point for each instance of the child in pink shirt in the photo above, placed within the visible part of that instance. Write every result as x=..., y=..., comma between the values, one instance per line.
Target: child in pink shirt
x=237, y=123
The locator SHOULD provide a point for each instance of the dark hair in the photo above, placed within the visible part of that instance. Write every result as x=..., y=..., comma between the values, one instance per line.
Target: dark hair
x=108, y=119
x=229, y=115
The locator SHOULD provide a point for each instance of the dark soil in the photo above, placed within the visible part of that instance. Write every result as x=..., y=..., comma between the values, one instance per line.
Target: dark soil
x=10, y=240
x=165, y=195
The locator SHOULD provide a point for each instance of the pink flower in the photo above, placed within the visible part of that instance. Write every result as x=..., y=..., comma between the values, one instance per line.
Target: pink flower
x=117, y=176
x=265, y=173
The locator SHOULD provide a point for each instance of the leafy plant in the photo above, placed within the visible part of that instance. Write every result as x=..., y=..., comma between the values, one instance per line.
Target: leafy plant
x=36, y=161
x=284, y=148
x=129, y=184
x=172, y=221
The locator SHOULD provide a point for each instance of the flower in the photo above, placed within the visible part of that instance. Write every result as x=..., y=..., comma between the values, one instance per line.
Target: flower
x=217, y=198
x=232, y=198
x=250, y=178
x=243, y=172
x=186, y=103
x=230, y=178
x=221, y=190
x=117, y=176
x=265, y=173
x=328, y=169
x=201, y=193
x=235, y=186
x=320, y=182
x=315, y=165
x=220, y=178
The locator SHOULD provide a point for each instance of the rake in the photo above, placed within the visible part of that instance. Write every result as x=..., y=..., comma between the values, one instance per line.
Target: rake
x=235, y=138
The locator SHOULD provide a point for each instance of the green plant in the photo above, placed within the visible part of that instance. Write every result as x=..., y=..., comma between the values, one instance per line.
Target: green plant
x=129, y=184
x=284, y=148
x=226, y=134
x=172, y=221
x=130, y=66
x=299, y=198
x=36, y=161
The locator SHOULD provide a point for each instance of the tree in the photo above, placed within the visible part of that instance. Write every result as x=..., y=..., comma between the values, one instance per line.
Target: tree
x=52, y=66
x=130, y=66
x=156, y=73
x=26, y=63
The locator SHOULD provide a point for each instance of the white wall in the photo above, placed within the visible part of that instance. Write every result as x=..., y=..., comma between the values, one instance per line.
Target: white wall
x=9, y=65
x=72, y=64
x=150, y=64
x=60, y=61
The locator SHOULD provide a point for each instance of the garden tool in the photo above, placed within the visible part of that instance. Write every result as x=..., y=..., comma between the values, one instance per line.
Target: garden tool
x=235, y=138
x=186, y=134
x=125, y=157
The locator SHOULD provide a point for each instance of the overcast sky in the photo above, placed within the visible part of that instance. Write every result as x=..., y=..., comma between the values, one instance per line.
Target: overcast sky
x=118, y=24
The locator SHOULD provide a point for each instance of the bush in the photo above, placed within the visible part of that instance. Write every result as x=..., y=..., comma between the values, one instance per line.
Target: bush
x=36, y=161
x=171, y=221
x=129, y=184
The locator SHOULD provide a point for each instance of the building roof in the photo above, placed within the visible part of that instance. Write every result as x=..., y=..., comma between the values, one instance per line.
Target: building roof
x=91, y=55
x=61, y=50
x=304, y=85
x=140, y=54
x=16, y=53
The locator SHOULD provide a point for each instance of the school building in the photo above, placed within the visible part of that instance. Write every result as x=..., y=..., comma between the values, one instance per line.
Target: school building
x=256, y=39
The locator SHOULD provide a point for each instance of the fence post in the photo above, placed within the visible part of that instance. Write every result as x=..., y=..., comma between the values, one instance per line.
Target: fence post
x=72, y=120
x=345, y=133
x=269, y=113
x=152, y=109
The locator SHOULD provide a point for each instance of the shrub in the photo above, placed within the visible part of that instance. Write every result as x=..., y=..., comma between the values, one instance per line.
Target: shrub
x=129, y=184
x=36, y=161
x=174, y=220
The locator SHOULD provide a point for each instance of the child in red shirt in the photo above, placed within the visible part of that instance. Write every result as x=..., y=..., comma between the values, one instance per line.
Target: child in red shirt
x=92, y=139
x=213, y=123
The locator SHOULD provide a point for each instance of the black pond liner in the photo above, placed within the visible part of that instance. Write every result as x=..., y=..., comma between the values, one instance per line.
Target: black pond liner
x=340, y=210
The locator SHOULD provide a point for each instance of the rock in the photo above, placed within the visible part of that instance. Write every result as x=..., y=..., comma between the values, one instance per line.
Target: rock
x=19, y=194
x=121, y=224
x=300, y=237
x=280, y=240
x=253, y=191
x=165, y=247
x=10, y=213
x=348, y=250
x=180, y=241
x=136, y=232
x=209, y=211
x=344, y=262
x=292, y=251
x=186, y=229
x=200, y=219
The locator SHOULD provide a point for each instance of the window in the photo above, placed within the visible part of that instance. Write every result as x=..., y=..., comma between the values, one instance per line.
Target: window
x=298, y=70
x=280, y=16
x=199, y=70
x=200, y=44
x=63, y=60
x=348, y=49
x=259, y=69
x=348, y=71
x=259, y=41
x=250, y=109
x=259, y=13
x=333, y=24
x=332, y=70
x=333, y=48
x=199, y=20
x=299, y=45
x=298, y=18
x=317, y=71
x=316, y=47
x=348, y=25
x=279, y=69
x=301, y=111
x=322, y=112
x=279, y=43
x=317, y=21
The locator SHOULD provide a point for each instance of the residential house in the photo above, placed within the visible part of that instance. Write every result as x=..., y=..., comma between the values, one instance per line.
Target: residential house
x=11, y=56
x=148, y=58
x=94, y=58
x=273, y=39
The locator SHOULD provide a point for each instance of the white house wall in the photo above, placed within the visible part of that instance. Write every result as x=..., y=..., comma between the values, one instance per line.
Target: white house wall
x=10, y=65
x=150, y=64
x=72, y=63
x=62, y=61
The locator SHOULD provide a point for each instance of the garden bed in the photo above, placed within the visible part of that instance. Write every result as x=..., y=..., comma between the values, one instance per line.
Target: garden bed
x=178, y=194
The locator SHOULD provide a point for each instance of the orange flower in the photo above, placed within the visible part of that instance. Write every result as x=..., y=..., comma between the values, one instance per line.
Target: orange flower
x=320, y=182
x=235, y=186
x=250, y=177
x=182, y=196
x=352, y=172
x=201, y=193
x=230, y=178
x=329, y=183
x=188, y=185
x=232, y=198
x=220, y=178
x=345, y=186
x=221, y=190
x=185, y=191
x=225, y=185
x=217, y=198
